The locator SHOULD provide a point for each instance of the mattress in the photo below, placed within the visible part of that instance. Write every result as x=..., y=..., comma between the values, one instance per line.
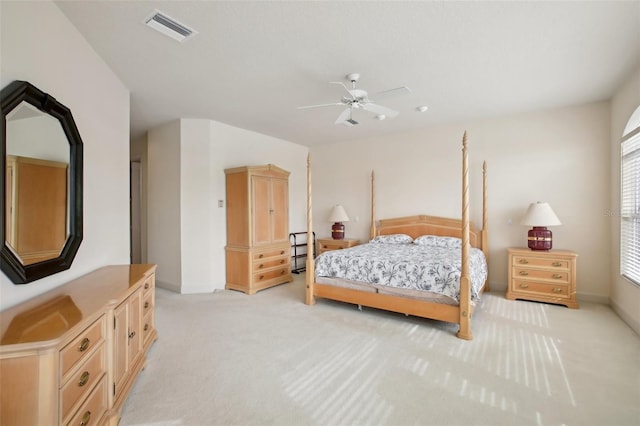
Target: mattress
x=410, y=270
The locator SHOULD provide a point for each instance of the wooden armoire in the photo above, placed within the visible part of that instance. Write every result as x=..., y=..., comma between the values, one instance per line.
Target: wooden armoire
x=258, y=249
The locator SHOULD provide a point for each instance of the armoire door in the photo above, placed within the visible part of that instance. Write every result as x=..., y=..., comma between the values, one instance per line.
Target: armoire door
x=280, y=210
x=261, y=196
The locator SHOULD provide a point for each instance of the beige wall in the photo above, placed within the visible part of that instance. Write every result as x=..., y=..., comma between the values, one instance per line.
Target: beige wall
x=186, y=227
x=560, y=156
x=625, y=297
x=39, y=45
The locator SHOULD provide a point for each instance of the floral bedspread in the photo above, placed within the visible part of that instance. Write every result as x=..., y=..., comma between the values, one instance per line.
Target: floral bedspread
x=408, y=266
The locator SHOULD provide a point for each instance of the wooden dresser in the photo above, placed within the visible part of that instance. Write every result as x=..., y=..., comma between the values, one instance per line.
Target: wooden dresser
x=71, y=355
x=542, y=276
x=258, y=253
x=328, y=244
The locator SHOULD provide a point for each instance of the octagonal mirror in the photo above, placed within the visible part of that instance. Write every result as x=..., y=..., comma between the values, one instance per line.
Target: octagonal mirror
x=41, y=183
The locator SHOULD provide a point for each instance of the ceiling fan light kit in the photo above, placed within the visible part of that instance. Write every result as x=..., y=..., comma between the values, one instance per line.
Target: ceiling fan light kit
x=359, y=99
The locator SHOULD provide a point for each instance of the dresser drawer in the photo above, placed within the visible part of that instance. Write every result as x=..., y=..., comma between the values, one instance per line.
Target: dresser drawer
x=539, y=288
x=81, y=346
x=271, y=253
x=259, y=277
x=92, y=411
x=147, y=303
x=544, y=274
x=148, y=285
x=82, y=381
x=541, y=262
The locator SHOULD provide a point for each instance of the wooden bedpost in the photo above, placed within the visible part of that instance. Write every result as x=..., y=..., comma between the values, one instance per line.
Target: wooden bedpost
x=485, y=222
x=311, y=262
x=373, y=229
x=465, y=283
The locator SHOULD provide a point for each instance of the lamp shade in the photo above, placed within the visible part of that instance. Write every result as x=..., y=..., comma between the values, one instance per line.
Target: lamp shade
x=338, y=214
x=540, y=214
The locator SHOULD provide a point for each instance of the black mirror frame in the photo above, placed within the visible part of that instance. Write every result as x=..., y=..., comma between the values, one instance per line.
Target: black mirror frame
x=10, y=97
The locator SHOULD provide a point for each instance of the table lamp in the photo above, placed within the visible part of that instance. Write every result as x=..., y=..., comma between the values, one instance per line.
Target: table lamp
x=539, y=215
x=338, y=215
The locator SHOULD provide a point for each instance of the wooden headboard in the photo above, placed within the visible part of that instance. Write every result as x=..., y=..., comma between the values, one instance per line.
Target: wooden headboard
x=416, y=226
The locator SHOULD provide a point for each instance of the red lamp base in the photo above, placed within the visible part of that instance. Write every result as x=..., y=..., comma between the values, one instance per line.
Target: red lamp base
x=337, y=231
x=539, y=238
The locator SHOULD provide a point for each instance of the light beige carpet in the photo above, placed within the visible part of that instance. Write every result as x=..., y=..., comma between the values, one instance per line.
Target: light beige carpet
x=268, y=359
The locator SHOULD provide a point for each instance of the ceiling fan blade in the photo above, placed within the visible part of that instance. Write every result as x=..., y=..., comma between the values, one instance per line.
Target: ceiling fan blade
x=398, y=91
x=321, y=105
x=343, y=85
x=344, y=116
x=379, y=110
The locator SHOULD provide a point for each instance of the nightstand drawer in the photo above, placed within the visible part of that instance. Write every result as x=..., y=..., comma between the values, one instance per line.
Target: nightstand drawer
x=538, y=288
x=543, y=274
x=541, y=262
x=327, y=244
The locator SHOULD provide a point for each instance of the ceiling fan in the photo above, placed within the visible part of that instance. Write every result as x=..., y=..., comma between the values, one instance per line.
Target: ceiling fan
x=359, y=99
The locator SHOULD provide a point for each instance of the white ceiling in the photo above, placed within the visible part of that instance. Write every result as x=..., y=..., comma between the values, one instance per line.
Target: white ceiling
x=253, y=63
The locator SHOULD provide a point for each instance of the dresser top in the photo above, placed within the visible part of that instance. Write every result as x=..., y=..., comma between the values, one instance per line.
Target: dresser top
x=50, y=315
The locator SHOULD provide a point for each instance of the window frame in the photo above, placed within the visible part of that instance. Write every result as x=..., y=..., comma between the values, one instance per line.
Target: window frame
x=630, y=273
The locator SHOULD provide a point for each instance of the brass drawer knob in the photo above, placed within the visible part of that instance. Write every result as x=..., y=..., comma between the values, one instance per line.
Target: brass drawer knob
x=524, y=285
x=523, y=273
x=260, y=266
x=282, y=252
x=324, y=246
x=146, y=286
x=132, y=335
x=83, y=379
x=261, y=277
x=281, y=261
x=84, y=345
x=282, y=272
x=524, y=261
x=556, y=276
x=86, y=419
x=146, y=305
x=146, y=327
x=261, y=256
x=556, y=264
x=557, y=290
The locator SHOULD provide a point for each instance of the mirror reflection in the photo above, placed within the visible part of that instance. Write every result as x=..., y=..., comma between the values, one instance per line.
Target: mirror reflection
x=37, y=185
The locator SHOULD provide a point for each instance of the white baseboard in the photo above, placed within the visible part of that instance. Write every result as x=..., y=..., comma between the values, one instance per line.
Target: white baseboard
x=168, y=286
x=595, y=298
x=631, y=320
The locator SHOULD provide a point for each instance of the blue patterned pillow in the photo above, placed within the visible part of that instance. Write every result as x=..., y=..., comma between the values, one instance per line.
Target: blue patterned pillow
x=392, y=239
x=437, y=241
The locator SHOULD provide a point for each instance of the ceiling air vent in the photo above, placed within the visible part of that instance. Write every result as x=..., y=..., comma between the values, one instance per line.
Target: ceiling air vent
x=169, y=26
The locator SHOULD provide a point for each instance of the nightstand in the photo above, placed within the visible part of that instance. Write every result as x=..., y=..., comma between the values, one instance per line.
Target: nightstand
x=542, y=276
x=328, y=244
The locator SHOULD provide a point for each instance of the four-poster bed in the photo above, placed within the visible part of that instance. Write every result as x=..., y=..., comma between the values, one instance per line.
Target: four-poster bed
x=471, y=243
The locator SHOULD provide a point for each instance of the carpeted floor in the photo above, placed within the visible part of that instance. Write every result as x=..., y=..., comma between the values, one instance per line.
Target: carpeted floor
x=268, y=359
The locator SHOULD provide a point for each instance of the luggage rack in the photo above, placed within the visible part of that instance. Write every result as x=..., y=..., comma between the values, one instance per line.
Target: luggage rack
x=298, y=242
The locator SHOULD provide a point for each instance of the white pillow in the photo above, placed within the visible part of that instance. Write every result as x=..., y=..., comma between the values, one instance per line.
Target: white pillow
x=392, y=239
x=437, y=241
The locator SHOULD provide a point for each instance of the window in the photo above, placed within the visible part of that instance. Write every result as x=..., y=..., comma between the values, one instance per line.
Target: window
x=630, y=207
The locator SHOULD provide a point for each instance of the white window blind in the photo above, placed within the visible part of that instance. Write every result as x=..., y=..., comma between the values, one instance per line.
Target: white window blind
x=630, y=207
